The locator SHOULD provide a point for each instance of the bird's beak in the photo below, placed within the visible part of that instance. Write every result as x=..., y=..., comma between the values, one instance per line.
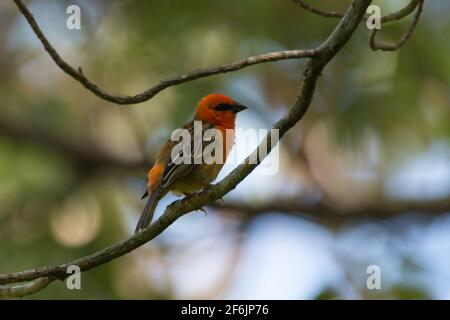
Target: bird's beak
x=237, y=107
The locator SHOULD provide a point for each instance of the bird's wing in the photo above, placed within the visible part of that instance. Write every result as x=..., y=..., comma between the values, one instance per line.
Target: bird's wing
x=175, y=168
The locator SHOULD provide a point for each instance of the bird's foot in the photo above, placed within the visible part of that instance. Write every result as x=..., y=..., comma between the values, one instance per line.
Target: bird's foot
x=220, y=202
x=205, y=187
x=204, y=211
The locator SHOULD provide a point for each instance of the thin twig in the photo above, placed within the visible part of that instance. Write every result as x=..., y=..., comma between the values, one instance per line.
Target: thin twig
x=338, y=38
x=394, y=16
x=374, y=45
x=160, y=86
x=24, y=289
x=310, y=8
x=81, y=155
x=325, y=214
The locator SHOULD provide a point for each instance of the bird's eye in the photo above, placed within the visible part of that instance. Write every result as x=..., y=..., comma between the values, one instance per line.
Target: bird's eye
x=222, y=107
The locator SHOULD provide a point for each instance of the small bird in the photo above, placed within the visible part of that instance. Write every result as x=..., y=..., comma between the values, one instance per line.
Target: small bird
x=214, y=111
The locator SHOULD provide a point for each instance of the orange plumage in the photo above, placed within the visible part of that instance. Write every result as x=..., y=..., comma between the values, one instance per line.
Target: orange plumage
x=215, y=111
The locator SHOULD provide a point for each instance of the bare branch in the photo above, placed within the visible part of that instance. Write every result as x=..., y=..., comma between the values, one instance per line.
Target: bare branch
x=392, y=47
x=25, y=289
x=326, y=14
x=80, y=154
x=324, y=213
x=151, y=92
x=324, y=54
x=403, y=12
x=395, y=16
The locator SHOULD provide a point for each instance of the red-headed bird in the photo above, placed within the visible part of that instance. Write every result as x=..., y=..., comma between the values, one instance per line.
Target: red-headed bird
x=215, y=111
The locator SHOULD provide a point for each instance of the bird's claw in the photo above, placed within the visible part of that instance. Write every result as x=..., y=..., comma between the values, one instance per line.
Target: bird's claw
x=221, y=202
x=203, y=210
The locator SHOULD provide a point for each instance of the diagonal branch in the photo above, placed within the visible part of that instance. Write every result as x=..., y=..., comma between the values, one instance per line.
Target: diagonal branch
x=164, y=84
x=324, y=53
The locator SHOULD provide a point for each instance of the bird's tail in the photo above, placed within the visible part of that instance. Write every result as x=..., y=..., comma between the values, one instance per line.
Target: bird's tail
x=149, y=210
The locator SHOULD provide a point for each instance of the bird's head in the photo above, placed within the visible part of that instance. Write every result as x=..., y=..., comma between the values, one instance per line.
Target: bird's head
x=218, y=109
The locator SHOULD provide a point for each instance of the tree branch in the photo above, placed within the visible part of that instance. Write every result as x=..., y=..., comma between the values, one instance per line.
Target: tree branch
x=394, y=16
x=323, y=54
x=26, y=289
x=81, y=155
x=326, y=14
x=392, y=47
x=324, y=213
x=151, y=92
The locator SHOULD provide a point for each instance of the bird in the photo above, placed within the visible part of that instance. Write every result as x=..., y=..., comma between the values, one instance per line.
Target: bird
x=214, y=111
